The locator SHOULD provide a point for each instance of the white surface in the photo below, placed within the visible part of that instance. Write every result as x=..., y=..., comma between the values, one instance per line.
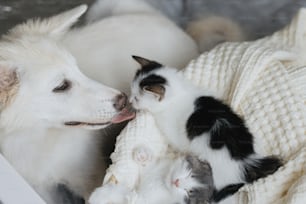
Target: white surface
x=13, y=188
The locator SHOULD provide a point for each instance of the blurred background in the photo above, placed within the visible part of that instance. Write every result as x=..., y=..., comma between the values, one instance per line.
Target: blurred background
x=13, y=12
x=257, y=17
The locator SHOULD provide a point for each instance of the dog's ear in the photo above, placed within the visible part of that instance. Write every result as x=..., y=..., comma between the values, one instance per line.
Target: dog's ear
x=62, y=22
x=8, y=85
x=54, y=26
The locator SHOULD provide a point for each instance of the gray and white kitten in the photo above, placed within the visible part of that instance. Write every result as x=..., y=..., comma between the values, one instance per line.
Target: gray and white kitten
x=183, y=180
x=192, y=120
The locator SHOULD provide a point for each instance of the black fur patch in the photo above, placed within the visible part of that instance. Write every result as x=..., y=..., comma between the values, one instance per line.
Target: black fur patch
x=148, y=68
x=152, y=79
x=226, y=191
x=63, y=195
x=224, y=126
x=261, y=168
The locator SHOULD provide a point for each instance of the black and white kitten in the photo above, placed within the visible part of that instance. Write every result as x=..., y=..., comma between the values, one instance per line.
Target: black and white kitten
x=194, y=121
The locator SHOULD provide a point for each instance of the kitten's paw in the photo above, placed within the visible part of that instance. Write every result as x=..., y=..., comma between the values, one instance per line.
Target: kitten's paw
x=142, y=155
x=109, y=194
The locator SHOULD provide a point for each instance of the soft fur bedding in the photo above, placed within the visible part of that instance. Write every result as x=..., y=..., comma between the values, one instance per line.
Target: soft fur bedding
x=265, y=82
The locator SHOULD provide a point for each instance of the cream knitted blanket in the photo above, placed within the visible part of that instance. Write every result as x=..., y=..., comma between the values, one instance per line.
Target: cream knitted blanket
x=265, y=82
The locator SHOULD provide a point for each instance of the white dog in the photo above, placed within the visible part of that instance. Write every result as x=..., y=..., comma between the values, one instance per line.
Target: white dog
x=50, y=112
x=49, y=109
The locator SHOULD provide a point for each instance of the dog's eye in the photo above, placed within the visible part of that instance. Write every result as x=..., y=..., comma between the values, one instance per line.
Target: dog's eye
x=64, y=86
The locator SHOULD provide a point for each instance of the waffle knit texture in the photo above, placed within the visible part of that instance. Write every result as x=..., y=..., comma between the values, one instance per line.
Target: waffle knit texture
x=263, y=81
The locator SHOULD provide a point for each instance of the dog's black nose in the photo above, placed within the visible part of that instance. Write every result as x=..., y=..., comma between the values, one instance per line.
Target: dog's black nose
x=120, y=102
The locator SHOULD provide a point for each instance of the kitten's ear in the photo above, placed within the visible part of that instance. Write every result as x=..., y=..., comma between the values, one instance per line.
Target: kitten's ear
x=145, y=62
x=157, y=90
x=8, y=85
x=194, y=161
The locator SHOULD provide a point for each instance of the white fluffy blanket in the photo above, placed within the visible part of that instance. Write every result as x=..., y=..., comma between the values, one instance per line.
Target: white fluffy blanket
x=265, y=82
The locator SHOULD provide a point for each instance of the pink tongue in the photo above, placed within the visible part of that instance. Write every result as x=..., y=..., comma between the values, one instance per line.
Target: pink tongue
x=125, y=114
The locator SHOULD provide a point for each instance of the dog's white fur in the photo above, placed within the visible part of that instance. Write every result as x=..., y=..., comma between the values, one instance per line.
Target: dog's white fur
x=103, y=49
x=206, y=30
x=33, y=136
x=33, y=62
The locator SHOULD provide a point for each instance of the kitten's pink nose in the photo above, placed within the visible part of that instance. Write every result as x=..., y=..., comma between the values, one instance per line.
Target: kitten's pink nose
x=176, y=183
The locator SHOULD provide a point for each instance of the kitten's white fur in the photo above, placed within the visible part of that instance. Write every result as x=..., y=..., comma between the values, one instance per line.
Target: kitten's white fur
x=173, y=111
x=160, y=177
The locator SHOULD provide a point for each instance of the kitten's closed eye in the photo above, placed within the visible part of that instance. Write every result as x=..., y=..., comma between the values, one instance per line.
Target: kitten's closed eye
x=191, y=192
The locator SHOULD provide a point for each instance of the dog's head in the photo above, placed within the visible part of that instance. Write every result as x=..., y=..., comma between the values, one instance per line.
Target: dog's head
x=41, y=85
